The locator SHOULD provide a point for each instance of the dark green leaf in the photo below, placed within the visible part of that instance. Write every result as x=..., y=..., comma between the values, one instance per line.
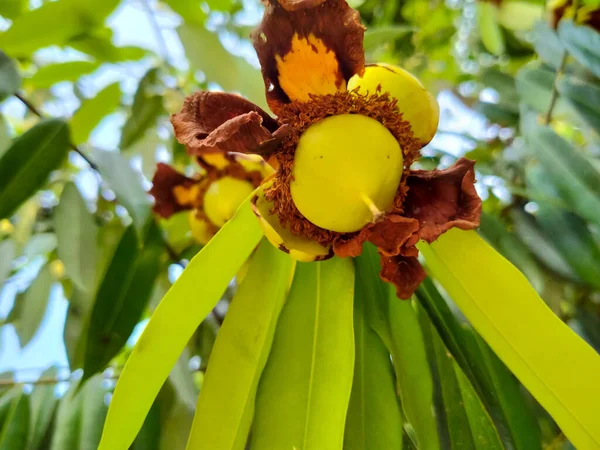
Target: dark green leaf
x=10, y=80
x=43, y=404
x=4, y=135
x=51, y=74
x=76, y=232
x=15, y=426
x=26, y=165
x=583, y=43
x=374, y=419
x=149, y=436
x=92, y=111
x=146, y=108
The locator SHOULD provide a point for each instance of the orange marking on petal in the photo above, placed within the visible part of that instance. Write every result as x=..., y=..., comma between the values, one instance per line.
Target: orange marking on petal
x=310, y=67
x=186, y=196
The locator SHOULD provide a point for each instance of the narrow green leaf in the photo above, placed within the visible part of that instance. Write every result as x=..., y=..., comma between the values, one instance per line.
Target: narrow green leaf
x=10, y=80
x=397, y=325
x=534, y=85
x=226, y=404
x=494, y=384
x=374, y=418
x=585, y=98
x=510, y=316
x=98, y=44
x=4, y=135
x=127, y=185
x=304, y=392
x=375, y=37
x=8, y=251
x=80, y=415
x=14, y=429
x=489, y=28
x=547, y=44
x=582, y=42
x=92, y=111
x=76, y=232
x=32, y=306
x=187, y=303
x=51, y=74
x=26, y=165
x=43, y=404
x=147, y=106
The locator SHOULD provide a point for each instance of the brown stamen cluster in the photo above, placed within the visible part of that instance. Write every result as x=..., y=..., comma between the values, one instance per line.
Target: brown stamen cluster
x=301, y=115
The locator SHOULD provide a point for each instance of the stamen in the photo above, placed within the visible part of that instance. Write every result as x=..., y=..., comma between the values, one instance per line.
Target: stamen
x=377, y=214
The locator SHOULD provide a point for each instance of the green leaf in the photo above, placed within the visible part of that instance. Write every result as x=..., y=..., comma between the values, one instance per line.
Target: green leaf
x=375, y=37
x=187, y=303
x=10, y=80
x=517, y=324
x=496, y=387
x=15, y=426
x=43, y=404
x=534, y=85
x=305, y=388
x=519, y=15
x=99, y=45
x=149, y=436
x=122, y=297
x=585, y=98
x=4, y=135
x=374, y=419
x=31, y=306
x=582, y=42
x=26, y=165
x=203, y=48
x=51, y=74
x=8, y=250
x=188, y=10
x=92, y=111
x=397, y=325
x=80, y=415
x=226, y=404
x=489, y=28
x=547, y=44
x=76, y=232
x=126, y=183
x=11, y=9
x=146, y=108
x=573, y=176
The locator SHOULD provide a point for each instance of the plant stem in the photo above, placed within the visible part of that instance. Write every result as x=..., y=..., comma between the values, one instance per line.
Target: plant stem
x=554, y=96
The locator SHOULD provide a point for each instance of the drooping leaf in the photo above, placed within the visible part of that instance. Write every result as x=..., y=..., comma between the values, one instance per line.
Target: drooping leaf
x=31, y=306
x=8, y=251
x=516, y=323
x=226, y=404
x=92, y=111
x=397, y=325
x=15, y=426
x=51, y=74
x=582, y=42
x=126, y=183
x=80, y=415
x=187, y=303
x=26, y=165
x=147, y=106
x=10, y=80
x=304, y=391
x=374, y=418
x=43, y=404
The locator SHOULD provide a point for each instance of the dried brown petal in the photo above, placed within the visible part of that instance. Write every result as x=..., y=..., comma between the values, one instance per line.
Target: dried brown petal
x=442, y=199
x=405, y=273
x=163, y=184
x=308, y=47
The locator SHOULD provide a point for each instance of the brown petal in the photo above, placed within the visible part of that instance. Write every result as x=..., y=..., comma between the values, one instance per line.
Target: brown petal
x=442, y=199
x=164, y=181
x=308, y=47
x=217, y=121
x=403, y=272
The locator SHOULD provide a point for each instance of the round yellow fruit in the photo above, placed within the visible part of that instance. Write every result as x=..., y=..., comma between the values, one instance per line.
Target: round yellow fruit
x=223, y=197
x=417, y=105
x=347, y=168
x=200, y=229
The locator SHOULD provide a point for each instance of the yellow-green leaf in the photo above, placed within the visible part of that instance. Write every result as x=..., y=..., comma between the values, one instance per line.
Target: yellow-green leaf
x=489, y=28
x=304, y=392
x=226, y=403
x=187, y=303
x=556, y=366
x=51, y=74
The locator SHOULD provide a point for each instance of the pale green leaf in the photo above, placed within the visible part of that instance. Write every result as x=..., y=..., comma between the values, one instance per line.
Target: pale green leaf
x=51, y=74
x=10, y=80
x=226, y=404
x=8, y=250
x=99, y=45
x=304, y=392
x=582, y=42
x=519, y=15
x=375, y=37
x=489, y=28
x=547, y=44
x=551, y=361
x=585, y=98
x=92, y=111
x=187, y=303
x=26, y=165
x=189, y=10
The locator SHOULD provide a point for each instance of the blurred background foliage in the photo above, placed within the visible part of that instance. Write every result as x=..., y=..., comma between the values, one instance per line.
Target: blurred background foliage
x=86, y=89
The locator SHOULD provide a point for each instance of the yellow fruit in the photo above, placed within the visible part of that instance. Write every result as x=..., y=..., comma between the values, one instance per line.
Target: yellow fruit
x=223, y=197
x=417, y=105
x=347, y=169
x=199, y=228
x=300, y=248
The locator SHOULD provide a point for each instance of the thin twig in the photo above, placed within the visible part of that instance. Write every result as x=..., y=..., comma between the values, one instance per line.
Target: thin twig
x=164, y=49
x=49, y=380
x=554, y=97
x=31, y=107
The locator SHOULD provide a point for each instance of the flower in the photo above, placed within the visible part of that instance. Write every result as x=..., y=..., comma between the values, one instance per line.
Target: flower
x=343, y=142
x=213, y=195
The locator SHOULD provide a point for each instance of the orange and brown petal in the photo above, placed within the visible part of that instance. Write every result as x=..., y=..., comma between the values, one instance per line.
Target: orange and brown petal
x=170, y=189
x=404, y=272
x=308, y=47
x=211, y=122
